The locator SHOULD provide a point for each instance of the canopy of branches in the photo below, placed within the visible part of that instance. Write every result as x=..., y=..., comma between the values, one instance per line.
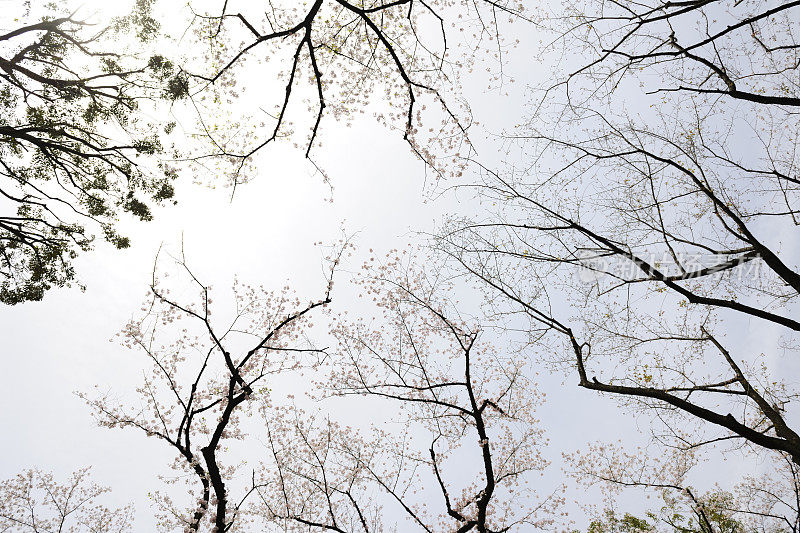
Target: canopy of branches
x=636, y=241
